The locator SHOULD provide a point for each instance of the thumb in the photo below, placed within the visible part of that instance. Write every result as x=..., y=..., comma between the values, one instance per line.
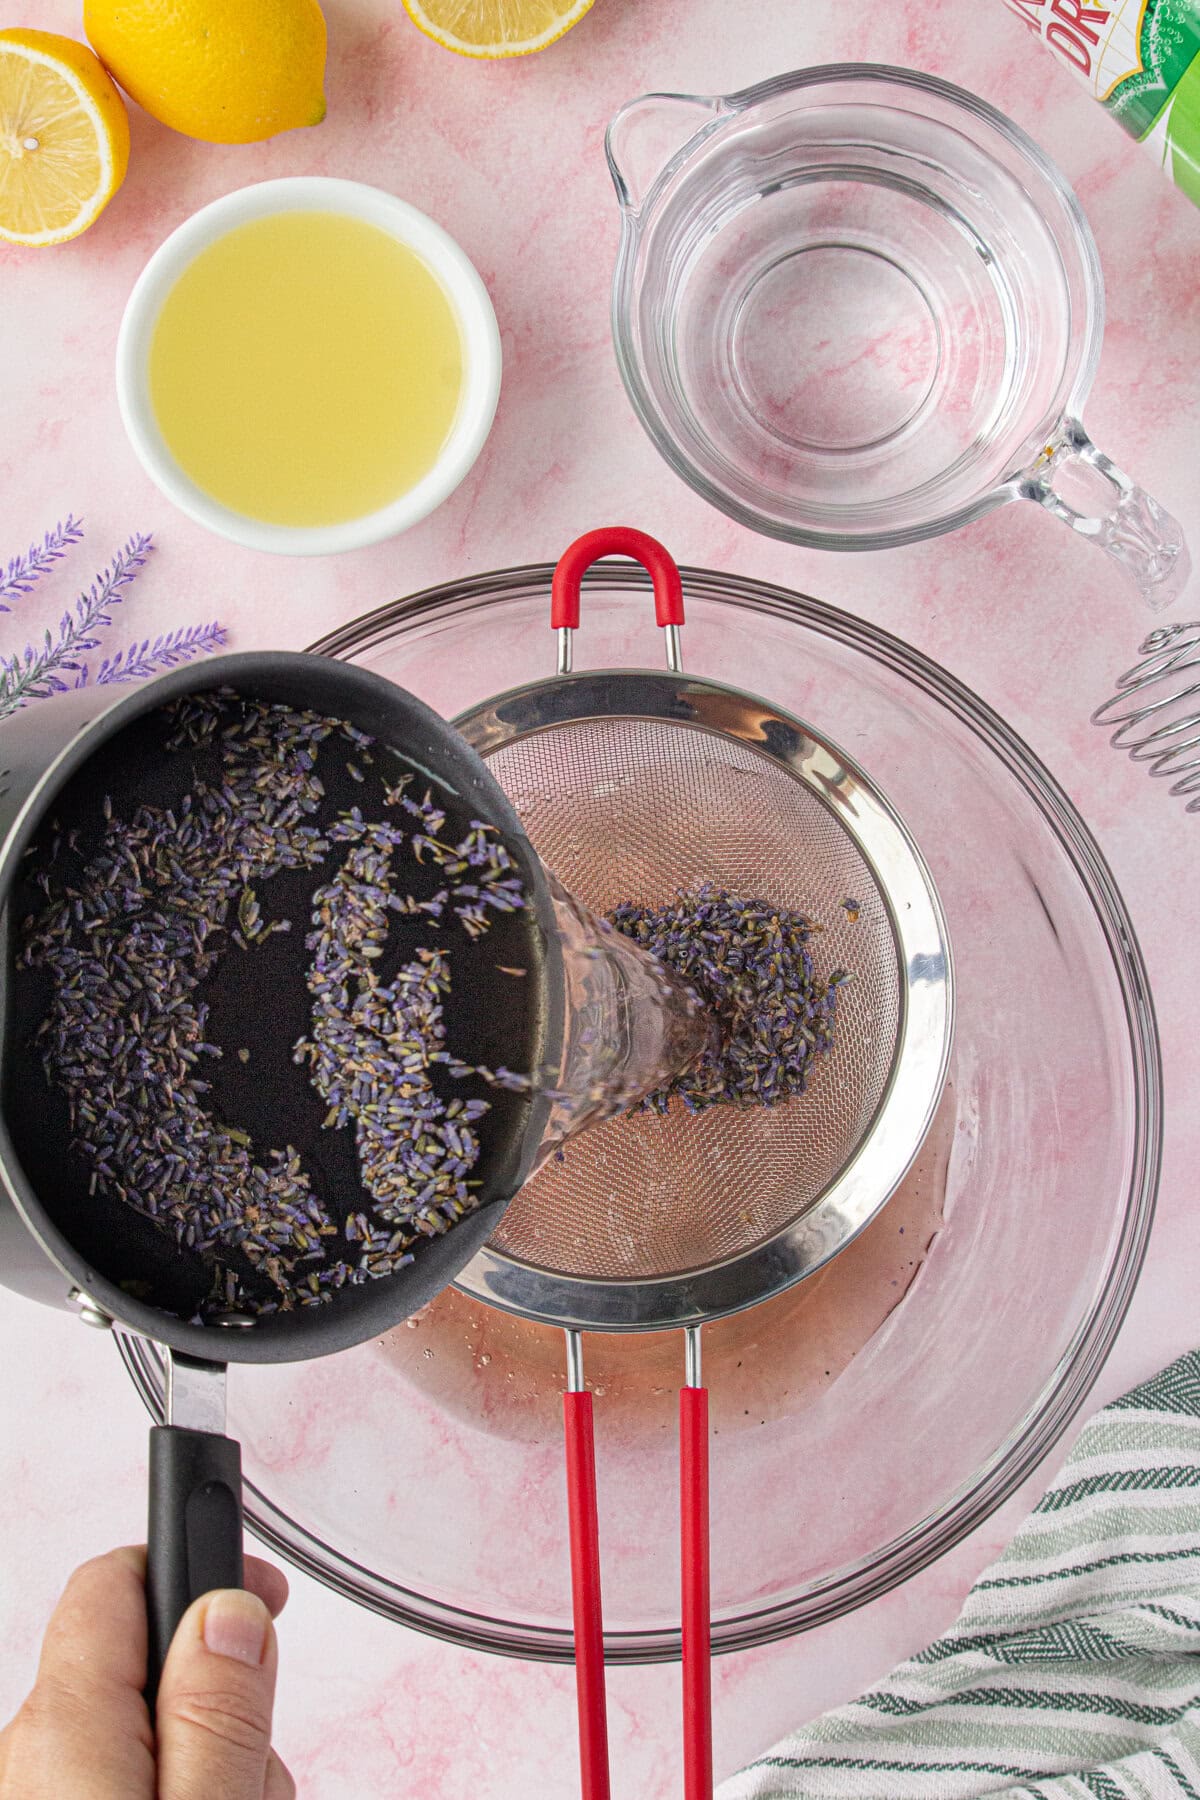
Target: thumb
x=215, y=1700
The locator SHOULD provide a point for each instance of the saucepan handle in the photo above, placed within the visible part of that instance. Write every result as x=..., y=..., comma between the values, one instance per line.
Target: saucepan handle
x=194, y=1543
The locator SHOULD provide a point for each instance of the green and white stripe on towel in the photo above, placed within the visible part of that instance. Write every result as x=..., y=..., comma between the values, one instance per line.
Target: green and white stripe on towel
x=1073, y=1672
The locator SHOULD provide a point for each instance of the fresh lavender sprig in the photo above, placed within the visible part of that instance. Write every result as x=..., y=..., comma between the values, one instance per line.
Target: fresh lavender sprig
x=38, y=673
x=24, y=572
x=166, y=652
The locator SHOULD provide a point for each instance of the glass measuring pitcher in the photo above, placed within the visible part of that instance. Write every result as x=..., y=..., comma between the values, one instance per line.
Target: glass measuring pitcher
x=856, y=306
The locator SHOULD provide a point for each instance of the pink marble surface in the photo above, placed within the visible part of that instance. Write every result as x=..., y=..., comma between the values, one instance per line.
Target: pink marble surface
x=510, y=160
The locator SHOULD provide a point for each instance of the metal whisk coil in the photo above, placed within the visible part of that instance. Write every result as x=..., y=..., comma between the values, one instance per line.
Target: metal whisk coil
x=1151, y=712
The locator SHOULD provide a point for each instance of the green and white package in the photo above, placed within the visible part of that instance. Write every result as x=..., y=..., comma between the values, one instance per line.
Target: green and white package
x=1141, y=60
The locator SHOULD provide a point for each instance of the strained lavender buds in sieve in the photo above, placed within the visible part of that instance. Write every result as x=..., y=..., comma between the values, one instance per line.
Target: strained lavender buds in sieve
x=750, y=965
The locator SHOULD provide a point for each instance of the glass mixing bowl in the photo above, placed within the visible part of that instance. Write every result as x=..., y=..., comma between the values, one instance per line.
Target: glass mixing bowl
x=865, y=1420
x=855, y=306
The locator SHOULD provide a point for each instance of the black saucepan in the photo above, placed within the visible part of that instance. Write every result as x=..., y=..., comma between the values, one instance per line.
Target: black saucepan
x=68, y=1247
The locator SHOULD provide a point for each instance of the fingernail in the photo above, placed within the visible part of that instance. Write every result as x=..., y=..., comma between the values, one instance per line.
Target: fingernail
x=235, y=1625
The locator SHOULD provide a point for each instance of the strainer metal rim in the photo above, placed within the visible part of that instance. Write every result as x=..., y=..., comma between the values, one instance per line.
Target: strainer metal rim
x=920, y=1062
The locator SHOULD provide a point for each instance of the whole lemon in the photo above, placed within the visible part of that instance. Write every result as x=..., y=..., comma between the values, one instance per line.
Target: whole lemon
x=227, y=71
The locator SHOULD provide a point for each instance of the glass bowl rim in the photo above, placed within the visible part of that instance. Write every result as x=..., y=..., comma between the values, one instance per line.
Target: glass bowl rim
x=1062, y=1394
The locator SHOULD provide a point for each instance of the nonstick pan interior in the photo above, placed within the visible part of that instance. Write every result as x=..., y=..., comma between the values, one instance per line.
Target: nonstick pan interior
x=259, y=1004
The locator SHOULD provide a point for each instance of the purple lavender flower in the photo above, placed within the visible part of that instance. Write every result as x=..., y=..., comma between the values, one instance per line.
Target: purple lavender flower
x=166, y=652
x=40, y=670
x=23, y=572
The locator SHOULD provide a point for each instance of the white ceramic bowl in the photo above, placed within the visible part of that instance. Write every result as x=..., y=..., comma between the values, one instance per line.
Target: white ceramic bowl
x=351, y=199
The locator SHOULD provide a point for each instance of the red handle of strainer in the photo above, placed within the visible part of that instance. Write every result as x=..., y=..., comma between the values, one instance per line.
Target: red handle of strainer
x=697, y=1649
x=585, y=1595
x=615, y=540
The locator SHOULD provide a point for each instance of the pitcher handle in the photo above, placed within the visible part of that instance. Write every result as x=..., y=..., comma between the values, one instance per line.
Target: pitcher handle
x=1123, y=519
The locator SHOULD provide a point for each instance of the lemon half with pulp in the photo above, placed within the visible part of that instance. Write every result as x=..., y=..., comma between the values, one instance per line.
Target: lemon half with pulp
x=64, y=138
x=495, y=27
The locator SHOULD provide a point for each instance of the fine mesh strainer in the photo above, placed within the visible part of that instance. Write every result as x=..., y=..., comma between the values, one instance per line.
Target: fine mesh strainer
x=631, y=785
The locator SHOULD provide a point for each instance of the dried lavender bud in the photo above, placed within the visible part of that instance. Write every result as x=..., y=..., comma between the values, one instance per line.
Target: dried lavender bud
x=750, y=966
x=373, y=1047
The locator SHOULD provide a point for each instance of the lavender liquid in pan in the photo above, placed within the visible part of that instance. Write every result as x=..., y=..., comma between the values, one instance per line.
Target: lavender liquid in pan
x=253, y=947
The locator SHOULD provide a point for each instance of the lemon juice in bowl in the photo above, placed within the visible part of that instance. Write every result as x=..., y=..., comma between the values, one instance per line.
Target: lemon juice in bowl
x=308, y=365
x=306, y=369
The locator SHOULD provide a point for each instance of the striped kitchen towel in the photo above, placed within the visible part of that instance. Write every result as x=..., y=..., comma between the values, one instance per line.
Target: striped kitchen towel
x=1074, y=1668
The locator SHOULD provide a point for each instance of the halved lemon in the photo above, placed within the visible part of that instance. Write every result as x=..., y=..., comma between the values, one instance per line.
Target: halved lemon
x=495, y=27
x=64, y=137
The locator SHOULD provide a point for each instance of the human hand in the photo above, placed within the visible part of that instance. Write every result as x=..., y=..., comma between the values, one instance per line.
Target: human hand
x=85, y=1732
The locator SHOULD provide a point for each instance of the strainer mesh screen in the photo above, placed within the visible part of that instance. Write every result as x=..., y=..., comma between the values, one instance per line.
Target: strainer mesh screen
x=631, y=809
